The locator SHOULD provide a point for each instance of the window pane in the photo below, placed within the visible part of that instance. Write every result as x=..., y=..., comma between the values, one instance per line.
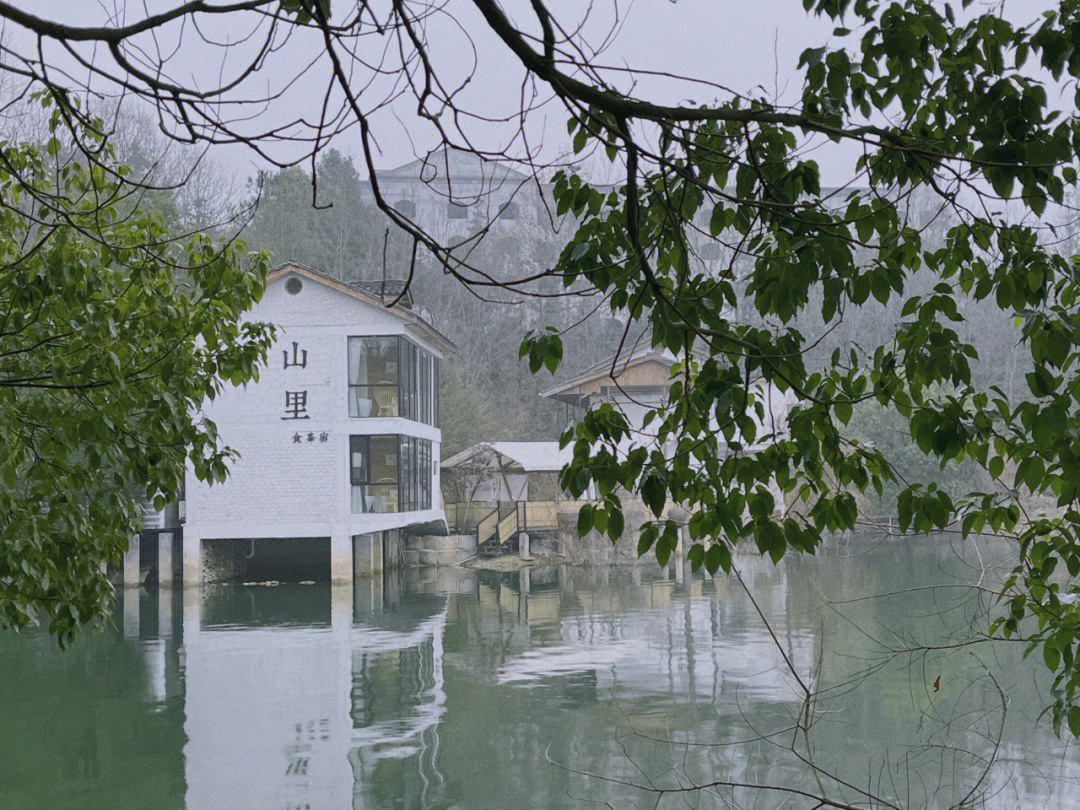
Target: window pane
x=373, y=361
x=374, y=498
x=424, y=472
x=358, y=459
x=405, y=481
x=415, y=474
x=384, y=461
x=411, y=410
x=373, y=400
x=373, y=471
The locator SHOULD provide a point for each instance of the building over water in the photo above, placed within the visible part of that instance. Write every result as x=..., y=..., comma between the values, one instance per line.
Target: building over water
x=338, y=439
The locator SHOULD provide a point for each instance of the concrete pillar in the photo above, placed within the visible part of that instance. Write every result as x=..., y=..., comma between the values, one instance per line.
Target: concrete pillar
x=341, y=609
x=523, y=546
x=131, y=611
x=192, y=558
x=365, y=555
x=341, y=558
x=192, y=619
x=165, y=541
x=165, y=610
x=131, y=564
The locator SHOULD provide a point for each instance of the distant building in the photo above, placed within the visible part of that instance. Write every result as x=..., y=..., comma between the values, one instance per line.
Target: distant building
x=447, y=188
x=506, y=471
x=637, y=381
x=338, y=440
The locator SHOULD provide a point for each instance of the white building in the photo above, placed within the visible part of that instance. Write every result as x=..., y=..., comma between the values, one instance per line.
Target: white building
x=445, y=188
x=338, y=439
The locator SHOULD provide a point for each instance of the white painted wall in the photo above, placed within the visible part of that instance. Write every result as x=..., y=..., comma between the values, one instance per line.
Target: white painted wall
x=283, y=488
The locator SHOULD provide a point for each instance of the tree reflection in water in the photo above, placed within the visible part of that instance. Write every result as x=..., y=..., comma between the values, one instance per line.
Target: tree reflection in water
x=552, y=687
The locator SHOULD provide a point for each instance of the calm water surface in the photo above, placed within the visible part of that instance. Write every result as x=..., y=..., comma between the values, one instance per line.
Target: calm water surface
x=458, y=689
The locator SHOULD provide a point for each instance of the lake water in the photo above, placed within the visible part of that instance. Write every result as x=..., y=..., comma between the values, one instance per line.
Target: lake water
x=556, y=687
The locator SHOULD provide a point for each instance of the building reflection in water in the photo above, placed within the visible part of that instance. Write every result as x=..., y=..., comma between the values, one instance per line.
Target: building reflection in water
x=306, y=697
x=448, y=688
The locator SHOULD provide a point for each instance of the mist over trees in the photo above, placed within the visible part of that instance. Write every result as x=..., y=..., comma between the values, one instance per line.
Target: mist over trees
x=487, y=393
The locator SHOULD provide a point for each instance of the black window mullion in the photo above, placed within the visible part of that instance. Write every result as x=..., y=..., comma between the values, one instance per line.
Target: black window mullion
x=400, y=380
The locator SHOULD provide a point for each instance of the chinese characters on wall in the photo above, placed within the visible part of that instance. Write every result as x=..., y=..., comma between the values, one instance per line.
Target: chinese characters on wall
x=295, y=401
x=299, y=438
x=295, y=407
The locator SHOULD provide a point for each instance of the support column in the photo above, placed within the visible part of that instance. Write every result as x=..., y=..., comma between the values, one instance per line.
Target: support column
x=131, y=563
x=165, y=542
x=341, y=558
x=524, y=546
x=191, y=621
x=130, y=597
x=165, y=610
x=192, y=558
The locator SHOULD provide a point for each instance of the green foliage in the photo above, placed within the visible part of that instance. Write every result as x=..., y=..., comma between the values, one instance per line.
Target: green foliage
x=113, y=333
x=333, y=230
x=305, y=10
x=971, y=122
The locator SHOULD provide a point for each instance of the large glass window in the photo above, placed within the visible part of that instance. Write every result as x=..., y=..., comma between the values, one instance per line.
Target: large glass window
x=425, y=388
x=389, y=473
x=374, y=371
x=373, y=474
x=392, y=376
x=408, y=380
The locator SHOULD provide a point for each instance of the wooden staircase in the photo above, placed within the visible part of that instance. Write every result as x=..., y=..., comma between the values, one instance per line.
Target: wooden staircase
x=494, y=533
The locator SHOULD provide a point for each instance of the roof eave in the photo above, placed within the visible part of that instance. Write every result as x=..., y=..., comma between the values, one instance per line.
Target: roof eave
x=429, y=332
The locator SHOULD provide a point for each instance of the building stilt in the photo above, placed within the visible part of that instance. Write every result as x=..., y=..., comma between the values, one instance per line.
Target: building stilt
x=131, y=563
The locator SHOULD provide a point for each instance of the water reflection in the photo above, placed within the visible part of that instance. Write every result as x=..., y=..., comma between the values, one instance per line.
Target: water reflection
x=456, y=689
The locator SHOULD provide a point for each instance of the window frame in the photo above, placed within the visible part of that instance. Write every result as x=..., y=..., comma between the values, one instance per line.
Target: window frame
x=364, y=480
x=416, y=382
x=414, y=472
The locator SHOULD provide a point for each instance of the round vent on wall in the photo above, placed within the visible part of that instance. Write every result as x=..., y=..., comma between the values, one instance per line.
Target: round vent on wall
x=293, y=285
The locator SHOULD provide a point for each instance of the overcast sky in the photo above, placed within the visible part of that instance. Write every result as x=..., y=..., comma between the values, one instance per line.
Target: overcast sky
x=750, y=46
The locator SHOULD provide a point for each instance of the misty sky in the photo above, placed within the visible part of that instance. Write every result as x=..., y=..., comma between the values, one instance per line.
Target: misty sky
x=749, y=46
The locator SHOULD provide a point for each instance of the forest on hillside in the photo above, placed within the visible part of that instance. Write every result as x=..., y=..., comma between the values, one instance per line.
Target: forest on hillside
x=488, y=392
x=490, y=395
